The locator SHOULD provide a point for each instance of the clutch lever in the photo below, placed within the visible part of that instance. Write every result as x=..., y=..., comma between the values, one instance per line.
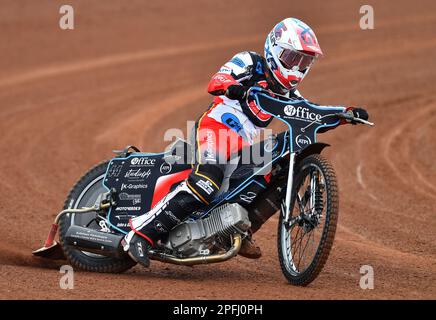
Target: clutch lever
x=349, y=117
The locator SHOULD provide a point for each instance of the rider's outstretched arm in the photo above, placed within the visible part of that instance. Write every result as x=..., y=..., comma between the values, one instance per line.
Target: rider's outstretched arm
x=232, y=72
x=297, y=94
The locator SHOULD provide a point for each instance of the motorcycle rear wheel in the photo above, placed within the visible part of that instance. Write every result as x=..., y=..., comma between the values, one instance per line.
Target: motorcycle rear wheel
x=313, y=216
x=84, y=194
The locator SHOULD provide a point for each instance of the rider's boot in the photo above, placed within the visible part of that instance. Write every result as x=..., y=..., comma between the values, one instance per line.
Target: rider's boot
x=249, y=249
x=259, y=211
x=196, y=192
x=152, y=226
x=138, y=248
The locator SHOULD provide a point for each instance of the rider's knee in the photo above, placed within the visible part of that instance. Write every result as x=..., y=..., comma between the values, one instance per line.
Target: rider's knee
x=205, y=181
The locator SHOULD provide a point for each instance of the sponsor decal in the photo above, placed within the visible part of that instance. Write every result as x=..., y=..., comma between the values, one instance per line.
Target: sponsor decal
x=225, y=70
x=231, y=121
x=301, y=113
x=139, y=249
x=137, y=174
x=114, y=170
x=205, y=185
x=278, y=30
x=259, y=68
x=130, y=186
x=209, y=153
x=125, y=216
x=128, y=209
x=165, y=168
x=268, y=54
x=123, y=220
x=248, y=197
x=135, y=198
x=122, y=225
x=222, y=78
x=302, y=140
x=143, y=161
x=306, y=34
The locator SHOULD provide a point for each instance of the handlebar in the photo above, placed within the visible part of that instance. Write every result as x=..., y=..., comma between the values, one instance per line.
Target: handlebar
x=349, y=117
x=342, y=115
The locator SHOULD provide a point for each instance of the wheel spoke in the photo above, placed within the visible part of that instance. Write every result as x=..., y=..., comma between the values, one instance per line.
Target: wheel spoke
x=298, y=242
x=305, y=247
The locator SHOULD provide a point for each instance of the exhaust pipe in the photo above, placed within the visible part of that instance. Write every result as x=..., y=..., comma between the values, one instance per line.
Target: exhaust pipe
x=233, y=251
x=89, y=240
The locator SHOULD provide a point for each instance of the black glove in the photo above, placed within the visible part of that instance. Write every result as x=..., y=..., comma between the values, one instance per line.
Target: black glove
x=359, y=113
x=236, y=92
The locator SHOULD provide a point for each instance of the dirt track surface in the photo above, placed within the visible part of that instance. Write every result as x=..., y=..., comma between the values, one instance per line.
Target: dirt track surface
x=132, y=69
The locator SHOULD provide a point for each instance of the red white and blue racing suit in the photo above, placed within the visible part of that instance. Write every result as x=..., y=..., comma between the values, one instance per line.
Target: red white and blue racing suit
x=240, y=119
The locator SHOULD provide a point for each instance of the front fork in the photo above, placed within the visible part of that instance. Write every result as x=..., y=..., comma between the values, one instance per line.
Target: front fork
x=289, y=186
x=313, y=198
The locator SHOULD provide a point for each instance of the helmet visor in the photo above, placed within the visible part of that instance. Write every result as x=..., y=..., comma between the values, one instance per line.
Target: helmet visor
x=291, y=58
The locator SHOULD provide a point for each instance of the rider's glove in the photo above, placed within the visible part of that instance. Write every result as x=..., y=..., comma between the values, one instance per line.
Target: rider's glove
x=236, y=92
x=359, y=113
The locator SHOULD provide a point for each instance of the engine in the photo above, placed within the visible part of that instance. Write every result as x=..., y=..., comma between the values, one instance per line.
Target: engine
x=193, y=238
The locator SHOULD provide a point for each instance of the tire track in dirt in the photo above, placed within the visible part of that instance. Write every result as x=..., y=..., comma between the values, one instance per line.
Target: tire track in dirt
x=131, y=57
x=119, y=59
x=400, y=137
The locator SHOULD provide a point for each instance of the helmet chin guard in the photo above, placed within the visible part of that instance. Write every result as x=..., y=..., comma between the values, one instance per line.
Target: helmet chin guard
x=291, y=48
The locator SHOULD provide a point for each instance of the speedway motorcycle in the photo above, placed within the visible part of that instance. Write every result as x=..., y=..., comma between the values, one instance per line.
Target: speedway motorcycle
x=296, y=181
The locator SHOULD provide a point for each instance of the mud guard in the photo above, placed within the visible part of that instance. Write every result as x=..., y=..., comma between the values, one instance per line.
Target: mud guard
x=314, y=148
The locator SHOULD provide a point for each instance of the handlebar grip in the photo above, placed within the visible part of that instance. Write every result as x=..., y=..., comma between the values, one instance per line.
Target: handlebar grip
x=348, y=116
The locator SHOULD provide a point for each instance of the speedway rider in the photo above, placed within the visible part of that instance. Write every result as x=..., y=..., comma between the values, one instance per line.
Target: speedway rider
x=291, y=48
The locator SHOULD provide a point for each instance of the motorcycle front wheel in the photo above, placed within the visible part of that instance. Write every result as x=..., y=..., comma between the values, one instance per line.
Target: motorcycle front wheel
x=304, y=243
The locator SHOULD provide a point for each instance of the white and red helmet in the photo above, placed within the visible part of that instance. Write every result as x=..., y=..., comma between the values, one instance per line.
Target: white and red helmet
x=290, y=50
